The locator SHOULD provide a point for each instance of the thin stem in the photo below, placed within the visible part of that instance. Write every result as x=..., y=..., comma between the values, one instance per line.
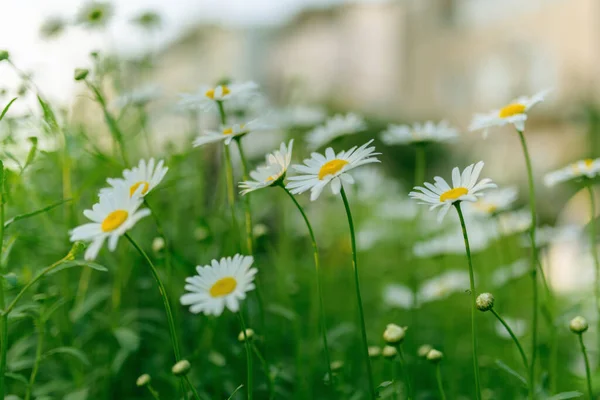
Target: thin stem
x=473, y=301
x=162, y=234
x=438, y=375
x=248, y=356
x=145, y=130
x=163, y=294
x=38, y=357
x=4, y=316
x=319, y=287
x=514, y=338
x=192, y=387
x=594, y=254
x=534, y=257
x=365, y=346
x=265, y=367
x=247, y=212
x=153, y=392
x=409, y=394
x=393, y=379
x=588, y=374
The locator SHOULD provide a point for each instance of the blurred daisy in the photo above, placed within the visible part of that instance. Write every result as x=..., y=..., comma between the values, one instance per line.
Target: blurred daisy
x=546, y=235
x=464, y=188
x=222, y=284
x=587, y=168
x=272, y=172
x=139, y=97
x=95, y=14
x=300, y=116
x=495, y=201
x=148, y=20
x=518, y=326
x=338, y=125
x=146, y=175
x=443, y=285
x=454, y=242
x=228, y=133
x=514, y=113
x=207, y=96
x=396, y=295
x=418, y=133
x=513, y=222
x=115, y=213
x=318, y=171
x=52, y=27
x=512, y=271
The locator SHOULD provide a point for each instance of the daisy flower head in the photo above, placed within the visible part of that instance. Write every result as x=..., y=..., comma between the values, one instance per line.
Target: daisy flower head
x=230, y=132
x=588, y=168
x=338, y=125
x=115, y=213
x=95, y=14
x=464, y=188
x=272, y=172
x=513, y=113
x=320, y=170
x=418, y=133
x=206, y=97
x=495, y=201
x=223, y=283
x=140, y=179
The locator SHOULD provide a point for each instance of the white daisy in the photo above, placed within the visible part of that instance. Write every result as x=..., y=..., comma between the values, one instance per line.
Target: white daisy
x=320, y=170
x=272, y=172
x=207, y=96
x=221, y=284
x=443, y=285
x=396, y=295
x=300, y=116
x=115, y=213
x=338, y=125
x=513, y=222
x=454, y=243
x=512, y=271
x=495, y=201
x=228, y=133
x=418, y=133
x=514, y=113
x=146, y=175
x=587, y=168
x=139, y=97
x=464, y=188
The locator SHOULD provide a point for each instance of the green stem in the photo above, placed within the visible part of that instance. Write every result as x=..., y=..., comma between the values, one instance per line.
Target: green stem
x=248, y=356
x=162, y=234
x=438, y=375
x=163, y=294
x=38, y=357
x=534, y=257
x=145, y=129
x=4, y=316
x=365, y=345
x=319, y=287
x=247, y=211
x=588, y=374
x=594, y=254
x=473, y=301
x=153, y=392
x=265, y=367
x=192, y=387
x=404, y=365
x=393, y=379
x=514, y=338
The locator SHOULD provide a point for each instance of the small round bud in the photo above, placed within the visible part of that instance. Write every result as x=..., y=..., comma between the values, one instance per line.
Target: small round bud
x=485, y=302
x=249, y=335
x=260, y=230
x=201, y=233
x=578, y=325
x=4, y=55
x=435, y=356
x=424, y=350
x=158, y=244
x=389, y=352
x=394, y=334
x=81, y=73
x=181, y=368
x=337, y=365
x=374, y=351
x=143, y=380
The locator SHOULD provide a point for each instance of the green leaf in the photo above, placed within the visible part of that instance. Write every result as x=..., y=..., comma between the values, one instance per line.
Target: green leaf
x=91, y=302
x=49, y=116
x=17, y=377
x=6, y=108
x=76, y=353
x=511, y=371
x=565, y=395
x=78, y=263
x=34, y=213
x=81, y=394
x=127, y=338
x=32, y=152
x=235, y=391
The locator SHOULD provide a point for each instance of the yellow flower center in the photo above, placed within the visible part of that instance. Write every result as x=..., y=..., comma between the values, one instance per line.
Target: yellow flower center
x=136, y=185
x=331, y=167
x=223, y=287
x=210, y=93
x=453, y=194
x=114, y=220
x=588, y=163
x=486, y=207
x=227, y=131
x=512, y=109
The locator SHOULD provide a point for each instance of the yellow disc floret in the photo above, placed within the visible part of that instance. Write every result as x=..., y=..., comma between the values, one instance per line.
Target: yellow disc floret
x=331, y=167
x=453, y=194
x=512, y=109
x=114, y=220
x=223, y=287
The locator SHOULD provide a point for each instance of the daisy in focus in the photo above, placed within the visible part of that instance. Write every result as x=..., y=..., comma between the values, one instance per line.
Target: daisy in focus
x=115, y=213
x=418, y=133
x=95, y=14
x=494, y=202
x=206, y=97
x=221, y=284
x=587, y=168
x=320, y=170
x=464, y=188
x=338, y=125
x=146, y=175
x=272, y=172
x=514, y=113
x=228, y=133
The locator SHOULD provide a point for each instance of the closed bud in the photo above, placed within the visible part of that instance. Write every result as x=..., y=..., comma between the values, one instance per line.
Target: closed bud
x=374, y=351
x=578, y=325
x=389, y=352
x=143, y=380
x=249, y=335
x=158, y=244
x=77, y=249
x=485, y=302
x=4, y=55
x=394, y=334
x=181, y=368
x=81, y=73
x=424, y=350
x=435, y=356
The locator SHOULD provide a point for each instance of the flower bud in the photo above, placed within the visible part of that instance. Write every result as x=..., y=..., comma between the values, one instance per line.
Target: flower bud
x=435, y=356
x=485, y=302
x=424, y=350
x=143, y=380
x=394, y=334
x=181, y=368
x=578, y=325
x=249, y=335
x=158, y=244
x=81, y=73
x=374, y=351
x=260, y=230
x=337, y=365
x=4, y=55
x=77, y=249
x=389, y=352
